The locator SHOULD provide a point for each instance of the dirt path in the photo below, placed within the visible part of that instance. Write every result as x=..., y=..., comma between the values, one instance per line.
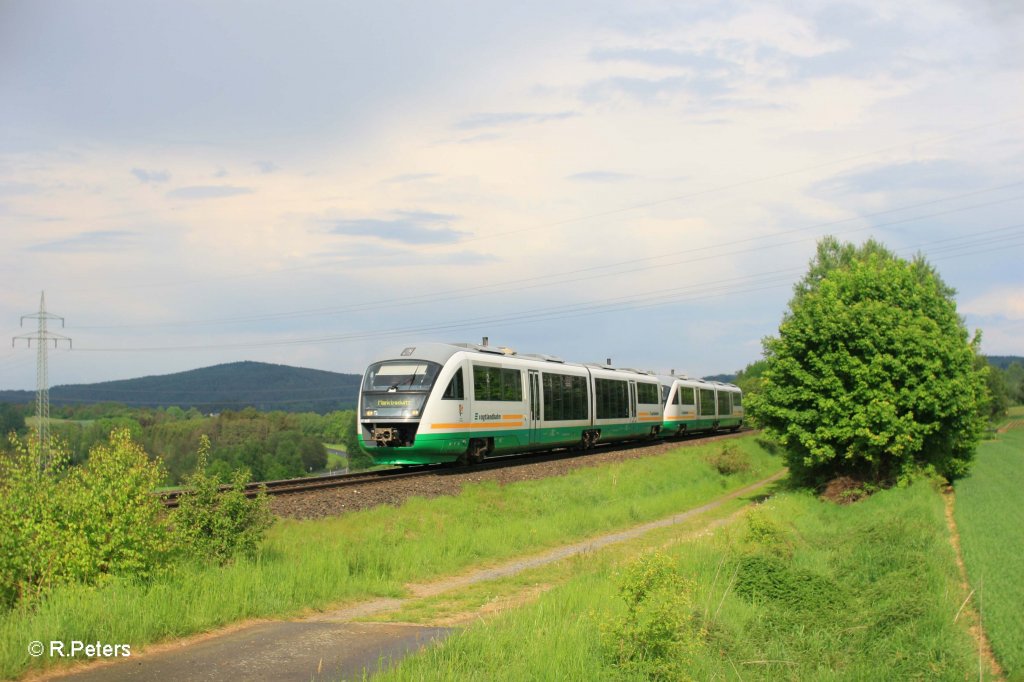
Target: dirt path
x=1012, y=424
x=985, y=656
x=330, y=645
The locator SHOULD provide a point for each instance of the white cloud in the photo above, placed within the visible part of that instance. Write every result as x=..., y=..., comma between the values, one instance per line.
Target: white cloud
x=540, y=145
x=1002, y=302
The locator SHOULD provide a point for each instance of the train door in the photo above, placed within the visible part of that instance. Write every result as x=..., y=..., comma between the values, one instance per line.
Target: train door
x=533, y=419
x=632, y=402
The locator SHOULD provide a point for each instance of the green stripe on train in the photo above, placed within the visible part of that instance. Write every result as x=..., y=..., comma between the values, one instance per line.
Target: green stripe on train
x=447, y=447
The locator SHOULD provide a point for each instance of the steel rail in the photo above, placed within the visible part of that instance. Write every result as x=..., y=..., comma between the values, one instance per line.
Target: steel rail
x=294, y=485
x=305, y=484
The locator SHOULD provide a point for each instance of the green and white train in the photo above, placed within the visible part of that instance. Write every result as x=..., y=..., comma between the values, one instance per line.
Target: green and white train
x=437, y=402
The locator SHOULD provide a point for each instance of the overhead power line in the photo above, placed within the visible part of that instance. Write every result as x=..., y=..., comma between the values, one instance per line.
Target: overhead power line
x=745, y=183
x=732, y=286
x=568, y=276
x=633, y=207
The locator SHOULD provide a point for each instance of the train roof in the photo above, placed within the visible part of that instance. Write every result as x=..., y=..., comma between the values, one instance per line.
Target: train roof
x=670, y=378
x=442, y=352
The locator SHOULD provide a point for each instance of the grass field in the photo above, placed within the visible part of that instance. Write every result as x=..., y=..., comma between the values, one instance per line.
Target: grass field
x=990, y=518
x=336, y=459
x=799, y=590
x=314, y=564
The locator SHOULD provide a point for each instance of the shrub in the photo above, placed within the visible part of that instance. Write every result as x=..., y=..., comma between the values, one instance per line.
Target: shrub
x=659, y=633
x=215, y=524
x=730, y=460
x=31, y=534
x=121, y=521
x=81, y=524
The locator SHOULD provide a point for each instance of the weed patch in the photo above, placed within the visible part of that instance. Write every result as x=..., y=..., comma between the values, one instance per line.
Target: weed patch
x=730, y=460
x=660, y=632
x=215, y=525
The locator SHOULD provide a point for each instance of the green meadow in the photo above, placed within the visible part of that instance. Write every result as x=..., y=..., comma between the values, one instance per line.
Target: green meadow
x=798, y=589
x=990, y=518
x=317, y=564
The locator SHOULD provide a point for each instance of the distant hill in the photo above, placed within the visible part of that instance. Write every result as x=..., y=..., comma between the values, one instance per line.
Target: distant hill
x=724, y=378
x=1004, y=361
x=233, y=386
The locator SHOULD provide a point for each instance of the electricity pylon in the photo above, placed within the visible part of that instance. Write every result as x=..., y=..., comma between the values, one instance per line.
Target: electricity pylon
x=42, y=337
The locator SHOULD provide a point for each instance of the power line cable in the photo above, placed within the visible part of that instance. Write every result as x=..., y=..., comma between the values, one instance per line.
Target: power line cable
x=560, y=278
x=560, y=312
x=750, y=181
x=721, y=188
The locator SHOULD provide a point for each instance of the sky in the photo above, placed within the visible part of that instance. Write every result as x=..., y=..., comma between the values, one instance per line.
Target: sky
x=315, y=183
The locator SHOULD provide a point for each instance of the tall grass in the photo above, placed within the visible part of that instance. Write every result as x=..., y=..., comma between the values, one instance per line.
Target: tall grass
x=990, y=518
x=804, y=590
x=313, y=564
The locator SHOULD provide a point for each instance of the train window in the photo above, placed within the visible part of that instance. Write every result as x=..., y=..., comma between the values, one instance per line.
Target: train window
x=612, y=398
x=665, y=390
x=401, y=375
x=723, y=403
x=647, y=394
x=565, y=397
x=707, y=402
x=686, y=396
x=455, y=389
x=737, y=399
x=495, y=383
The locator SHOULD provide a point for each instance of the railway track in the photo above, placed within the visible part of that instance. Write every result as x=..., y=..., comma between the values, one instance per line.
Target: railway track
x=305, y=484
x=312, y=483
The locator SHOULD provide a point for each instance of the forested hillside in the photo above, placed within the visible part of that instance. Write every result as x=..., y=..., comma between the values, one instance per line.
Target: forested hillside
x=233, y=386
x=1004, y=361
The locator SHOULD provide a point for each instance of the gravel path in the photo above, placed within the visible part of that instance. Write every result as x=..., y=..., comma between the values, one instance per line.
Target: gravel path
x=335, y=501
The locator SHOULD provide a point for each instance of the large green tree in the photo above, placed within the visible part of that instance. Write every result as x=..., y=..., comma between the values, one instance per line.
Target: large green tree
x=872, y=372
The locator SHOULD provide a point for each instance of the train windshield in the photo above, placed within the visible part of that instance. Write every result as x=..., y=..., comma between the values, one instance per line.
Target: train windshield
x=401, y=375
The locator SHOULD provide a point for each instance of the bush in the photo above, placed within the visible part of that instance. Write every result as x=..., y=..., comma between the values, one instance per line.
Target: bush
x=120, y=519
x=83, y=524
x=659, y=633
x=32, y=536
x=730, y=460
x=215, y=524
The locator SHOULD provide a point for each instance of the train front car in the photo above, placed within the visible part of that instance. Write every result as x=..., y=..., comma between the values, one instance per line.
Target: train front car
x=393, y=398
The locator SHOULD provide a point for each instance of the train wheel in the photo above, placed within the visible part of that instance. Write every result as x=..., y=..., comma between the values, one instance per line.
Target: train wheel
x=476, y=451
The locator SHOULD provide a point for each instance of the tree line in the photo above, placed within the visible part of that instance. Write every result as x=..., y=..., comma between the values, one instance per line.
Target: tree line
x=269, y=445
